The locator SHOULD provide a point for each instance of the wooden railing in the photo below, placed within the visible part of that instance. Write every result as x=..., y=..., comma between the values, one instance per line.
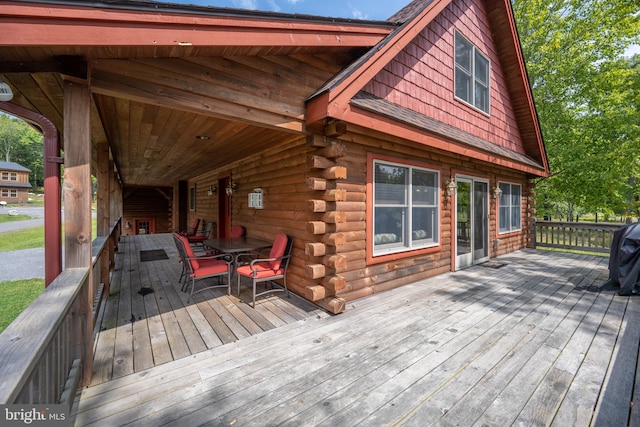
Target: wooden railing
x=46, y=350
x=585, y=236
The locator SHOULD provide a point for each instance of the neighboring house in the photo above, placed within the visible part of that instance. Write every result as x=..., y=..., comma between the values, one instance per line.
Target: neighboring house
x=390, y=151
x=14, y=183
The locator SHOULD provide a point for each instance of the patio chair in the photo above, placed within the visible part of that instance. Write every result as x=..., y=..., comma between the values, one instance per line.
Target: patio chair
x=204, y=235
x=202, y=267
x=237, y=231
x=193, y=230
x=267, y=269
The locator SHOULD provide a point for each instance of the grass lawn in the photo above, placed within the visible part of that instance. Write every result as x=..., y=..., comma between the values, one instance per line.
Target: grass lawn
x=11, y=218
x=15, y=296
x=26, y=238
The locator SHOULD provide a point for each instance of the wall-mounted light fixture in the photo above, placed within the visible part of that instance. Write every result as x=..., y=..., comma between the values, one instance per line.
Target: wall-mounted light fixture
x=212, y=190
x=5, y=91
x=231, y=187
x=497, y=192
x=127, y=224
x=451, y=187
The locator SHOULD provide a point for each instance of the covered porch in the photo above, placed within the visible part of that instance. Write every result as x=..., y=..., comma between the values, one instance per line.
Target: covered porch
x=146, y=320
x=532, y=338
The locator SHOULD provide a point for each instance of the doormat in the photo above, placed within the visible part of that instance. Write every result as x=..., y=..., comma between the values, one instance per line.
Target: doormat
x=493, y=264
x=153, y=255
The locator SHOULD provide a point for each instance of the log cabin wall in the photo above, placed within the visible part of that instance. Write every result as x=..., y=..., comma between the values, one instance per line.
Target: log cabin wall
x=363, y=277
x=282, y=173
x=315, y=190
x=148, y=203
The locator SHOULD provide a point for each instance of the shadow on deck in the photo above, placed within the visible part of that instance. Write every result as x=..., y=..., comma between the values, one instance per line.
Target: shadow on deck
x=537, y=341
x=138, y=330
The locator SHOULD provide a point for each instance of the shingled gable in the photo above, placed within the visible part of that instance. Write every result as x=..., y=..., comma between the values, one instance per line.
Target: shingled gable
x=342, y=97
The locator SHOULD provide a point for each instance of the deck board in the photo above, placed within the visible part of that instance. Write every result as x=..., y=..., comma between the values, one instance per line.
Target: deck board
x=539, y=341
x=139, y=332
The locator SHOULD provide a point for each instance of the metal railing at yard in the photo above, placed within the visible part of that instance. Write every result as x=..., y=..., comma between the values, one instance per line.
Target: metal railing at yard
x=583, y=236
x=48, y=349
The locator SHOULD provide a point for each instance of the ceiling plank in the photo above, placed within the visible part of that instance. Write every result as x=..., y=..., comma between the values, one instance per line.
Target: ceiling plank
x=121, y=86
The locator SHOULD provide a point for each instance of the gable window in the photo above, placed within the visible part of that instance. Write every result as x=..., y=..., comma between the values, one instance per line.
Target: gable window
x=509, y=208
x=471, y=74
x=405, y=208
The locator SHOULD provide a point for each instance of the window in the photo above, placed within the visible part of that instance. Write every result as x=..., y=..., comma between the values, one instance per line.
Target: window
x=12, y=193
x=9, y=176
x=471, y=74
x=509, y=212
x=192, y=198
x=405, y=208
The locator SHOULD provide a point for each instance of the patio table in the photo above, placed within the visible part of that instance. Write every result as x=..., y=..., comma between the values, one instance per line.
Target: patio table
x=237, y=245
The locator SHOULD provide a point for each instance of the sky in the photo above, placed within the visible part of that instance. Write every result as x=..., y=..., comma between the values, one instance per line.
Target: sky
x=377, y=10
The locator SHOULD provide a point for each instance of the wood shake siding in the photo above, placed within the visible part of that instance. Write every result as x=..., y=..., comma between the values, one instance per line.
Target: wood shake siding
x=421, y=77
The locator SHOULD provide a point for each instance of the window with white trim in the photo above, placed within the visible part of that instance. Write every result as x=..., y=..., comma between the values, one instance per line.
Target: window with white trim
x=509, y=208
x=9, y=193
x=9, y=176
x=405, y=207
x=471, y=74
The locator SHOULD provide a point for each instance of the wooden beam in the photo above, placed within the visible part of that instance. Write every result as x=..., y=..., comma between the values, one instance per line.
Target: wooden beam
x=120, y=86
x=77, y=192
x=72, y=67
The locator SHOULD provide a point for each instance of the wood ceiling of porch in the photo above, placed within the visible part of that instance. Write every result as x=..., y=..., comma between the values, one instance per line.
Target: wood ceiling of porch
x=150, y=110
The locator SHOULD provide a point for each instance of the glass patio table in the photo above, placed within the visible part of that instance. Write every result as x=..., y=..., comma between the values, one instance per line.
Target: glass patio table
x=237, y=245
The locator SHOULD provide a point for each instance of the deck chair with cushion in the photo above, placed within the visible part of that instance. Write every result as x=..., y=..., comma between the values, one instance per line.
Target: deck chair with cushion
x=237, y=231
x=193, y=230
x=202, y=267
x=267, y=269
x=199, y=239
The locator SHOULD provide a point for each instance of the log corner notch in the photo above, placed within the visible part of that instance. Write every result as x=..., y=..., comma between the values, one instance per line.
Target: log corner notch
x=324, y=171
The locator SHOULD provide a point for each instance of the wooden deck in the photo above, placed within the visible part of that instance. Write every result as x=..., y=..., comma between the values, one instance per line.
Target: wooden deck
x=139, y=332
x=538, y=341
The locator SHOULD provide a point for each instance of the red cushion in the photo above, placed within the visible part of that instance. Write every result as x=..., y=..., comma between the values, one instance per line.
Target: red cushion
x=277, y=250
x=189, y=252
x=263, y=270
x=237, y=231
x=210, y=267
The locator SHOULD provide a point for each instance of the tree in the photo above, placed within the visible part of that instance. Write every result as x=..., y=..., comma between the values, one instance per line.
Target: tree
x=587, y=97
x=21, y=143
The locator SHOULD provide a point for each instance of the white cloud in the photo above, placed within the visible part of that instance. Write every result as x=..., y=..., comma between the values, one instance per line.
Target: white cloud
x=274, y=6
x=358, y=14
x=294, y=1
x=246, y=4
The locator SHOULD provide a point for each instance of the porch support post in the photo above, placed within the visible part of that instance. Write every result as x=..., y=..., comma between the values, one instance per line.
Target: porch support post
x=104, y=211
x=77, y=214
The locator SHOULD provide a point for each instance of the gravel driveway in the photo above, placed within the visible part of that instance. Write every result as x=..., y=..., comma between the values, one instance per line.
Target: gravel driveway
x=27, y=263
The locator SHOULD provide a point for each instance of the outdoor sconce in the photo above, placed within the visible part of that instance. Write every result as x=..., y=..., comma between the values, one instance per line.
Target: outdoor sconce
x=497, y=192
x=231, y=187
x=5, y=91
x=451, y=187
x=127, y=224
x=212, y=190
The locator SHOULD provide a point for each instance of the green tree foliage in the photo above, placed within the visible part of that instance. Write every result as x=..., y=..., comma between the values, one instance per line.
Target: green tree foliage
x=587, y=97
x=21, y=143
